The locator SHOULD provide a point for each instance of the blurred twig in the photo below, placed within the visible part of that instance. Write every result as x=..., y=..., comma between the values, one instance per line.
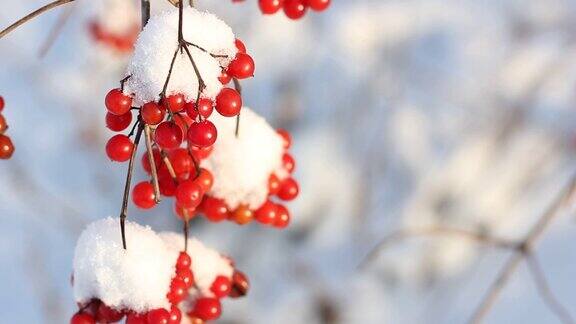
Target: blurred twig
x=32, y=15
x=55, y=31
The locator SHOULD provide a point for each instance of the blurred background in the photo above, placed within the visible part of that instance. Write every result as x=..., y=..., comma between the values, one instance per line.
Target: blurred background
x=405, y=113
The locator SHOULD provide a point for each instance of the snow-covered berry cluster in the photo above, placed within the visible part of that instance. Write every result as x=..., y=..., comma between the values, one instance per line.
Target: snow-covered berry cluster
x=293, y=9
x=6, y=145
x=110, y=284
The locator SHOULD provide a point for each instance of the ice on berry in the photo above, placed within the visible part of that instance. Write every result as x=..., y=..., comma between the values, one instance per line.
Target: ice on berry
x=136, y=279
x=155, y=50
x=207, y=264
x=242, y=165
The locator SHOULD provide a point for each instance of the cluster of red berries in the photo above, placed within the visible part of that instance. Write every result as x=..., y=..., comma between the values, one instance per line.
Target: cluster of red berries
x=175, y=121
x=269, y=213
x=123, y=43
x=293, y=9
x=6, y=146
x=204, y=309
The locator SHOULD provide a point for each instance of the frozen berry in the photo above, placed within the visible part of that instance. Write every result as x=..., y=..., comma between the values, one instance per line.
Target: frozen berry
x=289, y=189
x=118, y=123
x=153, y=113
x=174, y=103
x=266, y=214
x=242, y=66
x=158, y=316
x=295, y=9
x=82, y=318
x=202, y=134
x=117, y=102
x=168, y=135
x=143, y=195
x=214, y=209
x=188, y=194
x=221, y=287
x=208, y=309
x=270, y=7
x=228, y=102
x=119, y=148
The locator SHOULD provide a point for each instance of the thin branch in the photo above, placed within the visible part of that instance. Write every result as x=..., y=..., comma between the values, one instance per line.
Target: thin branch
x=545, y=292
x=55, y=31
x=148, y=137
x=124, y=211
x=32, y=15
x=238, y=88
x=206, y=51
x=165, y=88
x=168, y=164
x=145, y=8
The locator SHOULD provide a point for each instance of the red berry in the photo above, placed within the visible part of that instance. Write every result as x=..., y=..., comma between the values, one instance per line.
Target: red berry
x=143, y=195
x=119, y=148
x=168, y=135
x=295, y=9
x=6, y=147
x=283, y=218
x=224, y=78
x=205, y=180
x=133, y=318
x=267, y=213
x=208, y=309
x=158, y=316
x=228, y=102
x=178, y=291
x=273, y=185
x=188, y=194
x=270, y=7
x=106, y=314
x=175, y=315
x=3, y=124
x=166, y=182
x=174, y=103
x=240, y=284
x=183, y=121
x=318, y=5
x=200, y=153
x=146, y=162
x=202, y=134
x=242, y=215
x=242, y=66
x=289, y=189
x=221, y=287
x=214, y=209
x=153, y=113
x=240, y=46
x=181, y=160
x=186, y=275
x=184, y=261
x=288, y=162
x=205, y=108
x=118, y=123
x=117, y=102
x=286, y=137
x=82, y=318
x=1, y=103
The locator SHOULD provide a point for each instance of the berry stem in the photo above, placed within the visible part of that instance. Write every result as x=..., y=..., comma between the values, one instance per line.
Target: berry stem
x=238, y=88
x=145, y=7
x=124, y=211
x=168, y=164
x=186, y=229
x=148, y=137
x=33, y=15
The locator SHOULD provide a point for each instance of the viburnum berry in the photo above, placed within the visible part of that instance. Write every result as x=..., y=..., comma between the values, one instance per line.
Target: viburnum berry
x=205, y=180
x=181, y=161
x=286, y=137
x=289, y=189
x=288, y=162
x=188, y=194
x=273, y=185
x=118, y=123
x=146, y=161
x=3, y=124
x=318, y=5
x=186, y=275
x=208, y=309
x=153, y=113
x=119, y=148
x=240, y=46
x=117, y=102
x=184, y=261
x=224, y=78
x=214, y=209
x=82, y=318
x=295, y=9
x=178, y=291
x=183, y=121
x=228, y=102
x=221, y=287
x=168, y=135
x=158, y=316
x=6, y=147
x=184, y=213
x=242, y=215
x=204, y=109
x=200, y=153
x=202, y=134
x=143, y=195
x=174, y=103
x=166, y=182
x=240, y=284
x=283, y=217
x=1, y=103
x=242, y=66
x=175, y=315
x=134, y=318
x=106, y=314
x=266, y=214
x=270, y=7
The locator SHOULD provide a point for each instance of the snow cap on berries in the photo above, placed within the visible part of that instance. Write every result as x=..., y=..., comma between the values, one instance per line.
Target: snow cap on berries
x=136, y=279
x=155, y=50
x=242, y=165
x=207, y=264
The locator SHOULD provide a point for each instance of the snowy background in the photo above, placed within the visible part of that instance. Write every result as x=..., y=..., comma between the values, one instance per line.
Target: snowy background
x=404, y=113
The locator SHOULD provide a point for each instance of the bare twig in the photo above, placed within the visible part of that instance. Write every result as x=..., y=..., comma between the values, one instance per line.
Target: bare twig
x=32, y=15
x=55, y=31
x=145, y=8
x=148, y=137
x=238, y=88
